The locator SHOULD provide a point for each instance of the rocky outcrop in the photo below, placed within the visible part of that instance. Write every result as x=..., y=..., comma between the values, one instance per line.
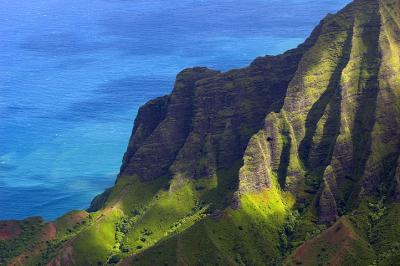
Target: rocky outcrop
x=148, y=118
x=248, y=164
x=337, y=112
x=163, y=138
x=206, y=122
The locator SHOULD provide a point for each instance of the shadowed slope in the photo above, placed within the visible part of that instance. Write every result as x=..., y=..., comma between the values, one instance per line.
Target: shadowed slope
x=294, y=159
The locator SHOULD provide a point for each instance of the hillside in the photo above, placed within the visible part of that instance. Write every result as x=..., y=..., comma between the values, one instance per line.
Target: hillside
x=293, y=160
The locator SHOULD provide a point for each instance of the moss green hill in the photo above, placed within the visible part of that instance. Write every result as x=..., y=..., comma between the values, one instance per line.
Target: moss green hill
x=293, y=160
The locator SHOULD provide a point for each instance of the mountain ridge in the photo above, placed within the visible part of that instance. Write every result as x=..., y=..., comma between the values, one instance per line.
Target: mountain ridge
x=293, y=160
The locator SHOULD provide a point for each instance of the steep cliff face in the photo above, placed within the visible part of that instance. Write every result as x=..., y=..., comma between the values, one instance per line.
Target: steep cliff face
x=292, y=160
x=337, y=133
x=322, y=136
x=206, y=122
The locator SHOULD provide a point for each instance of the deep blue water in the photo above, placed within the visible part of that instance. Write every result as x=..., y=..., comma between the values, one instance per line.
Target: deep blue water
x=73, y=74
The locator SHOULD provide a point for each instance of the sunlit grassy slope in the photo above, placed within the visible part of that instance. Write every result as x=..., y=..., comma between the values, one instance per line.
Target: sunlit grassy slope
x=311, y=178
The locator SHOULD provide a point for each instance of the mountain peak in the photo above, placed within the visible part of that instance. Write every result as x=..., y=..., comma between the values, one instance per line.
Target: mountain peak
x=293, y=160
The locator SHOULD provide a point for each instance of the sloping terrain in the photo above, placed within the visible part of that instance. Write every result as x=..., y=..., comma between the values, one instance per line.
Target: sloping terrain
x=293, y=160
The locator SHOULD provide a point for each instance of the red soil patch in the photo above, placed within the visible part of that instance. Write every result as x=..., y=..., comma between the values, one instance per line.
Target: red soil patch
x=9, y=230
x=65, y=257
x=338, y=238
x=49, y=232
x=78, y=217
x=73, y=218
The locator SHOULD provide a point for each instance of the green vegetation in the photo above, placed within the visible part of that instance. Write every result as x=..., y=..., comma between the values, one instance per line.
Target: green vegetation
x=97, y=242
x=249, y=235
x=26, y=240
x=293, y=160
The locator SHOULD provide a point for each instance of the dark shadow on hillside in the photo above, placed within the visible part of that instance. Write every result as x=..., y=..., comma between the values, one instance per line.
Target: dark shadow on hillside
x=284, y=159
x=368, y=83
x=228, y=183
x=330, y=98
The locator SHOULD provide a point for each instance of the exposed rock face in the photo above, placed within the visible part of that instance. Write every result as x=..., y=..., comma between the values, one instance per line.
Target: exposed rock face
x=246, y=165
x=326, y=103
x=148, y=118
x=162, y=138
x=206, y=122
x=336, y=110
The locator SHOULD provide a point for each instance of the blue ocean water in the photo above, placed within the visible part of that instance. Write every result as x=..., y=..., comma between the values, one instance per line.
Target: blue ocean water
x=73, y=74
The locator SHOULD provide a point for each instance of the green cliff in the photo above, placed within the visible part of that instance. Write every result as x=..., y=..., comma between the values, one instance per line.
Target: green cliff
x=293, y=160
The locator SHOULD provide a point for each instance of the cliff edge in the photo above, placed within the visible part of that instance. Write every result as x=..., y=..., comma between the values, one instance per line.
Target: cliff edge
x=293, y=160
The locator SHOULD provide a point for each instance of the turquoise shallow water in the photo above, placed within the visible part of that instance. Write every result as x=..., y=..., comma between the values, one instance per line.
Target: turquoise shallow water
x=73, y=74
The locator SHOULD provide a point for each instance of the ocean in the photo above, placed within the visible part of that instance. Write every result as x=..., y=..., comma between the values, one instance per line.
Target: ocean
x=73, y=74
